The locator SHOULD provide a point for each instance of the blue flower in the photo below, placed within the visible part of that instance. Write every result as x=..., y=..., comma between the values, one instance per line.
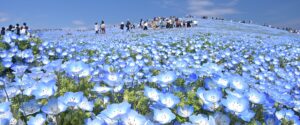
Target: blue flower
x=168, y=100
x=71, y=98
x=185, y=111
x=43, y=90
x=54, y=107
x=75, y=68
x=221, y=119
x=133, y=118
x=151, y=93
x=163, y=116
x=95, y=121
x=114, y=111
x=247, y=115
x=39, y=119
x=19, y=69
x=235, y=104
x=166, y=78
x=238, y=83
x=202, y=120
x=5, y=113
x=31, y=107
x=210, y=98
x=113, y=79
x=101, y=89
x=86, y=105
x=256, y=97
x=4, y=107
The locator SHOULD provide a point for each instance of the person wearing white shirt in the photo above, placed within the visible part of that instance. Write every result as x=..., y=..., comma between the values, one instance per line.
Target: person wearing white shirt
x=97, y=28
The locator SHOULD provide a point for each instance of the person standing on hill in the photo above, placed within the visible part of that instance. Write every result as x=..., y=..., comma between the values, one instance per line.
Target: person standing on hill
x=3, y=31
x=128, y=25
x=26, y=28
x=122, y=25
x=102, y=27
x=97, y=28
x=18, y=29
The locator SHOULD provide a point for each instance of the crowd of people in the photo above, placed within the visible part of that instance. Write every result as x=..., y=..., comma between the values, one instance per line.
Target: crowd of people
x=155, y=23
x=17, y=29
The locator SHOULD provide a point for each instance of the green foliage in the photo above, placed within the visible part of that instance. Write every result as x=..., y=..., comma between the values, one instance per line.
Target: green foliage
x=66, y=84
x=138, y=100
x=4, y=46
x=72, y=117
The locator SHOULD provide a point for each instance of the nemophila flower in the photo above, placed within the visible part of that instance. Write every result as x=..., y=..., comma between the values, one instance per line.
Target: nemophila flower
x=270, y=119
x=19, y=69
x=31, y=107
x=131, y=69
x=71, y=98
x=256, y=97
x=210, y=98
x=285, y=114
x=95, y=121
x=166, y=78
x=101, y=89
x=247, y=115
x=86, y=105
x=193, y=77
x=163, y=116
x=39, y=119
x=185, y=111
x=5, y=113
x=133, y=118
x=4, y=107
x=113, y=79
x=238, y=83
x=114, y=111
x=151, y=93
x=168, y=100
x=75, y=68
x=54, y=107
x=10, y=92
x=43, y=90
x=202, y=120
x=221, y=119
x=222, y=81
x=209, y=83
x=236, y=104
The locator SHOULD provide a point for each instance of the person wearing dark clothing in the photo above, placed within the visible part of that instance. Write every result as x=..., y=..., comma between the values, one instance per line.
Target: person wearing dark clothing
x=128, y=25
x=189, y=24
x=122, y=26
x=10, y=28
x=18, y=29
x=3, y=31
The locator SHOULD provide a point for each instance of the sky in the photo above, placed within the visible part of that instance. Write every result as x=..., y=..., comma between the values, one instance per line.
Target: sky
x=84, y=13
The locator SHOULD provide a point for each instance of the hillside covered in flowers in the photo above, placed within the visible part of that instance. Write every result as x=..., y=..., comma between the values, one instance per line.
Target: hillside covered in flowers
x=217, y=73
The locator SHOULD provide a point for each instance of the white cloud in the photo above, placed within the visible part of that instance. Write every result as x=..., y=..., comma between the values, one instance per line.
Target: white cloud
x=3, y=19
x=209, y=8
x=78, y=22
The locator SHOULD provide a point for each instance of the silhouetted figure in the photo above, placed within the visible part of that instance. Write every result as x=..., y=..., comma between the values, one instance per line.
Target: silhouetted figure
x=3, y=31
x=189, y=24
x=26, y=28
x=128, y=25
x=122, y=25
x=102, y=27
x=18, y=29
x=10, y=28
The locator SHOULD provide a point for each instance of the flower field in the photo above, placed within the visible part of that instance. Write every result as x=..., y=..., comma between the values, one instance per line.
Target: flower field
x=219, y=73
